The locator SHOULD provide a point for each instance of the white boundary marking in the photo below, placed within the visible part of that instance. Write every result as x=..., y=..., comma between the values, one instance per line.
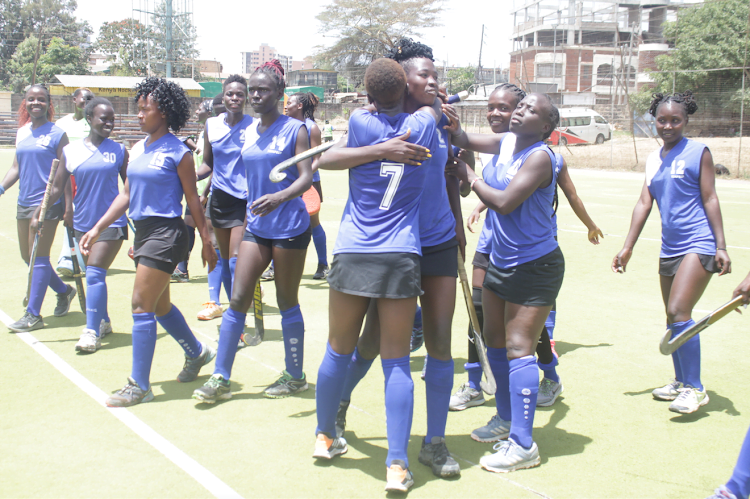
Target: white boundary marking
x=189, y=465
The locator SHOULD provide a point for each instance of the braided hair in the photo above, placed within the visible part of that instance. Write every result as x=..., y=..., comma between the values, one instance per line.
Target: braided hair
x=23, y=113
x=407, y=49
x=309, y=102
x=511, y=88
x=170, y=98
x=88, y=111
x=275, y=71
x=684, y=99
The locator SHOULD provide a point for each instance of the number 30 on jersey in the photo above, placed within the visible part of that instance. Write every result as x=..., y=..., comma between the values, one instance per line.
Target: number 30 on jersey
x=395, y=171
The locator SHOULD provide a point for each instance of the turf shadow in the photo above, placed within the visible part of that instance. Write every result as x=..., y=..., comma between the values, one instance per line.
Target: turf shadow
x=716, y=403
x=112, y=271
x=174, y=390
x=557, y=442
x=563, y=347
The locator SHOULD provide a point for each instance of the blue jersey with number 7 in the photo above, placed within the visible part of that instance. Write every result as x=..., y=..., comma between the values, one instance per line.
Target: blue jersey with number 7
x=382, y=212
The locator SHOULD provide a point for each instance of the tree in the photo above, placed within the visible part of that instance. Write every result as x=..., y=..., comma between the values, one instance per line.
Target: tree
x=365, y=30
x=184, y=38
x=125, y=45
x=56, y=58
x=460, y=79
x=712, y=35
x=11, y=33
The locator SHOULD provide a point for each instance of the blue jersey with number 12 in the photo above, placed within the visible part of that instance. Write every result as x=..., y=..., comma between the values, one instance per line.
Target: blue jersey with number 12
x=382, y=212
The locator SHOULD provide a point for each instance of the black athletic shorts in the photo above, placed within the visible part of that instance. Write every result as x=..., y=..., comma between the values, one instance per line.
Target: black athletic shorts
x=535, y=283
x=301, y=241
x=160, y=243
x=319, y=188
x=441, y=259
x=226, y=210
x=668, y=266
x=376, y=275
x=54, y=212
x=481, y=261
x=108, y=234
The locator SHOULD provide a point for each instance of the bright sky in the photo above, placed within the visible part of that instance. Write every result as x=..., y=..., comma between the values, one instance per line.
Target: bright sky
x=226, y=28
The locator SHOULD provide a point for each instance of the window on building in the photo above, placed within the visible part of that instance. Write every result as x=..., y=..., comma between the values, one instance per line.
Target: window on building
x=587, y=71
x=548, y=70
x=604, y=74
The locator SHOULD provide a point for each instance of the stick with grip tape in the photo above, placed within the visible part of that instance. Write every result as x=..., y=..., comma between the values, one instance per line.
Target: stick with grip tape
x=488, y=385
x=77, y=270
x=257, y=337
x=42, y=213
x=669, y=345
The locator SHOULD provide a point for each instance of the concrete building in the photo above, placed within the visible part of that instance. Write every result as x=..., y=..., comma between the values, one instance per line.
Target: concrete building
x=587, y=51
x=209, y=67
x=266, y=53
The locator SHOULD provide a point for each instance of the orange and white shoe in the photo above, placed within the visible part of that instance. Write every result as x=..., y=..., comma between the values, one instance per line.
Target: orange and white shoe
x=328, y=448
x=398, y=477
x=210, y=311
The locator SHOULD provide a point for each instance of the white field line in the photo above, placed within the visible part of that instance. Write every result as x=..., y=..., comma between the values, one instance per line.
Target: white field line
x=190, y=466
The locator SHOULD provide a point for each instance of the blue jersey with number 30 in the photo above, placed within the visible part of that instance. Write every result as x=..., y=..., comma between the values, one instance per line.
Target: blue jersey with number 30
x=382, y=212
x=674, y=181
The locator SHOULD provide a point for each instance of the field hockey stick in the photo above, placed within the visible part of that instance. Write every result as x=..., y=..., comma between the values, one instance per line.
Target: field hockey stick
x=77, y=270
x=488, y=385
x=277, y=174
x=130, y=250
x=42, y=213
x=257, y=337
x=669, y=345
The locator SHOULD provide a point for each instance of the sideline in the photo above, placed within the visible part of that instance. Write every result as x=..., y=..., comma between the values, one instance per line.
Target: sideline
x=189, y=465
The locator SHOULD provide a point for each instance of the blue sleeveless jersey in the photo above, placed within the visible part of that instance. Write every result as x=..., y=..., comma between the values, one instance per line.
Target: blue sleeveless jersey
x=226, y=144
x=97, y=173
x=675, y=184
x=260, y=154
x=309, y=124
x=558, y=167
x=436, y=221
x=382, y=212
x=507, y=144
x=35, y=150
x=526, y=233
x=155, y=187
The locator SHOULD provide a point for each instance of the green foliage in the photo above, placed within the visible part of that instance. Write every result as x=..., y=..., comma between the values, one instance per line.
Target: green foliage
x=365, y=30
x=56, y=58
x=124, y=45
x=460, y=79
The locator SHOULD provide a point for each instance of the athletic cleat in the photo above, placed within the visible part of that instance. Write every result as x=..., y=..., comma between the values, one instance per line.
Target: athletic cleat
x=436, y=456
x=328, y=448
x=496, y=429
x=210, y=311
x=723, y=493
x=179, y=276
x=131, y=394
x=64, y=300
x=216, y=388
x=689, y=400
x=548, y=392
x=341, y=417
x=65, y=267
x=398, y=477
x=105, y=328
x=511, y=457
x=29, y=322
x=669, y=391
x=466, y=397
x=193, y=365
x=286, y=386
x=89, y=342
x=417, y=339
x=322, y=272
x=241, y=344
x=268, y=275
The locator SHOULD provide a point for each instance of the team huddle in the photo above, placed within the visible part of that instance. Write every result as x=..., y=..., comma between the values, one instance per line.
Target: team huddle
x=401, y=238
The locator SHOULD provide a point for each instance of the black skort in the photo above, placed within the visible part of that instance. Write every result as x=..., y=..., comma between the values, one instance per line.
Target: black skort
x=535, y=283
x=441, y=259
x=481, y=261
x=108, y=234
x=376, y=275
x=299, y=242
x=54, y=212
x=668, y=266
x=226, y=210
x=160, y=243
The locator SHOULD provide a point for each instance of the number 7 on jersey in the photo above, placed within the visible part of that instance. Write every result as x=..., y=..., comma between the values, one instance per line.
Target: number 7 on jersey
x=395, y=171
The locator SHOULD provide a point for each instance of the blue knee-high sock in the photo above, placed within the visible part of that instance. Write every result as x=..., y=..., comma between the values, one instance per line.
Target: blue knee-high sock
x=399, y=407
x=550, y=323
x=226, y=277
x=524, y=388
x=232, y=267
x=96, y=297
x=438, y=380
x=739, y=484
x=174, y=323
x=183, y=265
x=355, y=371
x=418, y=318
x=39, y=283
x=293, y=330
x=330, y=384
x=549, y=369
x=144, y=344
x=689, y=356
x=214, y=282
x=475, y=374
x=498, y=359
x=676, y=360
x=319, y=240
x=232, y=325
x=54, y=280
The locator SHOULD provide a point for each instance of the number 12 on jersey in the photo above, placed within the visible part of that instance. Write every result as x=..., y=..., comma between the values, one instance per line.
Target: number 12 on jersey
x=395, y=171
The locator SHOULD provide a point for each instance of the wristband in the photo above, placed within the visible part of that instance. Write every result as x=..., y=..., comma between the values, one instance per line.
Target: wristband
x=721, y=249
x=2, y=190
x=471, y=186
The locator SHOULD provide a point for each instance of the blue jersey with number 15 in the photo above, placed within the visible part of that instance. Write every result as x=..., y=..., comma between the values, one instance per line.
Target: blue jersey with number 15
x=382, y=212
